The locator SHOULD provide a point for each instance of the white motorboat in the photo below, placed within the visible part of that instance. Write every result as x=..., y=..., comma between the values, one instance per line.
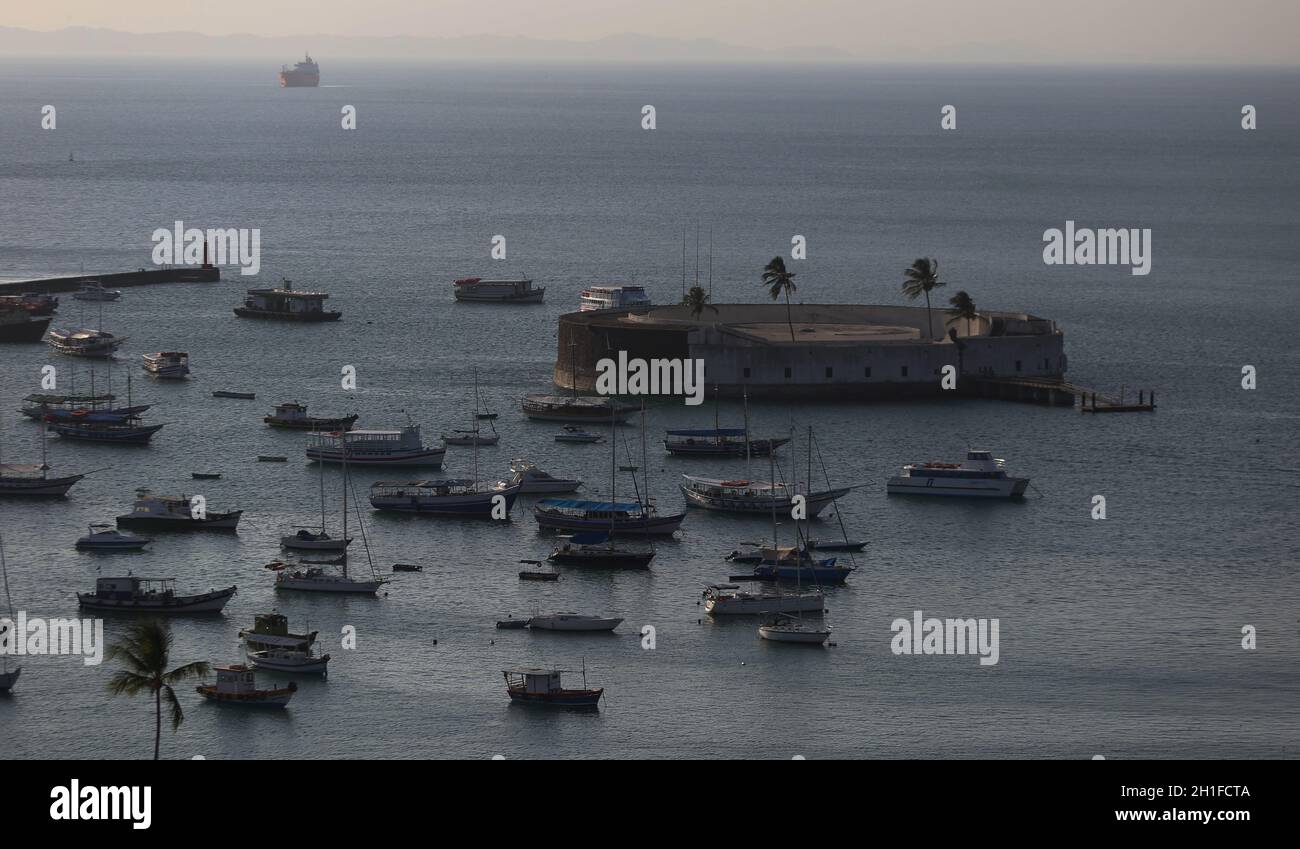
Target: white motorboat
x=729, y=599
x=573, y=622
x=980, y=476
x=167, y=365
x=573, y=433
x=531, y=479
x=106, y=538
x=93, y=290
x=398, y=447
x=289, y=660
x=787, y=630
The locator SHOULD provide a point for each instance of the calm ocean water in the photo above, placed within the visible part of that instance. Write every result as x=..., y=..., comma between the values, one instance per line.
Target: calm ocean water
x=1119, y=637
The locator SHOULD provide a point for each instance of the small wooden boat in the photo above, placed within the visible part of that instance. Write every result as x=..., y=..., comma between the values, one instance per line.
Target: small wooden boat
x=512, y=624
x=243, y=396
x=293, y=415
x=271, y=631
x=846, y=545
x=290, y=660
x=407, y=567
x=205, y=476
x=544, y=687
x=573, y=622
x=786, y=629
x=266, y=458
x=236, y=685
x=130, y=432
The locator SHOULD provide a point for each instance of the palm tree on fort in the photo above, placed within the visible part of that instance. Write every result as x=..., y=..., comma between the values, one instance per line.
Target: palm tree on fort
x=963, y=306
x=920, y=279
x=144, y=651
x=698, y=300
x=780, y=282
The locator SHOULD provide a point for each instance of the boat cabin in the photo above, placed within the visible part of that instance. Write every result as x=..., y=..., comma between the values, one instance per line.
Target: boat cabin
x=533, y=682
x=235, y=678
x=285, y=301
x=131, y=588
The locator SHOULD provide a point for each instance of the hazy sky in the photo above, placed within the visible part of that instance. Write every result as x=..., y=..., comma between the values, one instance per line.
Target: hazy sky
x=1246, y=31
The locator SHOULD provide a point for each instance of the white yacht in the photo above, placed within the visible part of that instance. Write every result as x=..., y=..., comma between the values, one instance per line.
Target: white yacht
x=981, y=476
x=531, y=479
x=573, y=622
x=400, y=447
x=93, y=290
x=729, y=599
x=613, y=297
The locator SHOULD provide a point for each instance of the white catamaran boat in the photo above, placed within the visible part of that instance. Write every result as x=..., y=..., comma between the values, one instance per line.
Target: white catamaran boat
x=981, y=476
x=401, y=447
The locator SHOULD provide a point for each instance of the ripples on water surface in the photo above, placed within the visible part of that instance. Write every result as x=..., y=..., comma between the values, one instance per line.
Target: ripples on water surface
x=1118, y=637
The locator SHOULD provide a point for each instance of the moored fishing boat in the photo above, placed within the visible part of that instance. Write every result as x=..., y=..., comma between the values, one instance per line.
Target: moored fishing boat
x=790, y=563
x=575, y=409
x=150, y=595
x=719, y=442
x=175, y=513
x=271, y=631
x=167, y=365
x=237, y=685
x=399, y=447
x=598, y=550
x=544, y=687
x=479, y=290
x=980, y=476
x=290, y=660
x=315, y=579
x=631, y=517
x=292, y=415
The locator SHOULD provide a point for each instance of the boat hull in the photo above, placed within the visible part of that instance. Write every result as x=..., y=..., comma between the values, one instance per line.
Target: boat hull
x=704, y=448
x=212, y=602
x=214, y=522
x=308, y=317
x=759, y=605
x=327, y=585
x=533, y=297
x=1002, y=488
x=603, y=559
x=431, y=458
x=475, y=505
x=9, y=679
x=779, y=634
x=724, y=503
x=21, y=332
x=107, y=435
x=16, y=487
x=342, y=423
x=563, y=698
x=296, y=543
x=588, y=625
x=262, y=698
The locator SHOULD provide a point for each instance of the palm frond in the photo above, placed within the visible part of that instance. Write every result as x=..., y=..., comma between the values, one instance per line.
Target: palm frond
x=178, y=715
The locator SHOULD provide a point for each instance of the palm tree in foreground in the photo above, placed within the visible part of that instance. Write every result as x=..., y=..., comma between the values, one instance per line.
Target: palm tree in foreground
x=780, y=282
x=963, y=306
x=144, y=651
x=698, y=300
x=922, y=277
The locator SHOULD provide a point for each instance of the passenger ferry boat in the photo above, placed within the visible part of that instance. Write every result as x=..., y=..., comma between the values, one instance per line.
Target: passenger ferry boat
x=237, y=685
x=720, y=442
x=305, y=74
x=498, y=291
x=84, y=342
x=271, y=631
x=613, y=297
x=576, y=409
x=746, y=496
x=150, y=595
x=174, y=513
x=981, y=476
x=286, y=304
x=293, y=415
x=402, y=447
x=544, y=687
x=631, y=517
x=441, y=497
x=729, y=599
x=167, y=365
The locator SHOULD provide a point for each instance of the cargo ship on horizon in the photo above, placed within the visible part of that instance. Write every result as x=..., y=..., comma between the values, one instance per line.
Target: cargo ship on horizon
x=305, y=74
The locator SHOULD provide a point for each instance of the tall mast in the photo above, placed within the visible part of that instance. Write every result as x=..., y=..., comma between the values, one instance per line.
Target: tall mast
x=343, y=435
x=473, y=434
x=645, y=468
x=710, y=259
x=683, y=262
x=748, y=474
x=322, y=498
x=9, y=605
x=613, y=464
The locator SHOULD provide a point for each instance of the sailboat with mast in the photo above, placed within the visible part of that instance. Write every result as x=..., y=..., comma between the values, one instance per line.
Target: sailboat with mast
x=599, y=549
x=319, y=580
x=128, y=431
x=308, y=540
x=8, y=675
x=34, y=481
x=474, y=435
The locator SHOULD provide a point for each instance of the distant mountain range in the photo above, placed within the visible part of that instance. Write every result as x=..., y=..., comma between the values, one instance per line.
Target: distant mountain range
x=627, y=47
